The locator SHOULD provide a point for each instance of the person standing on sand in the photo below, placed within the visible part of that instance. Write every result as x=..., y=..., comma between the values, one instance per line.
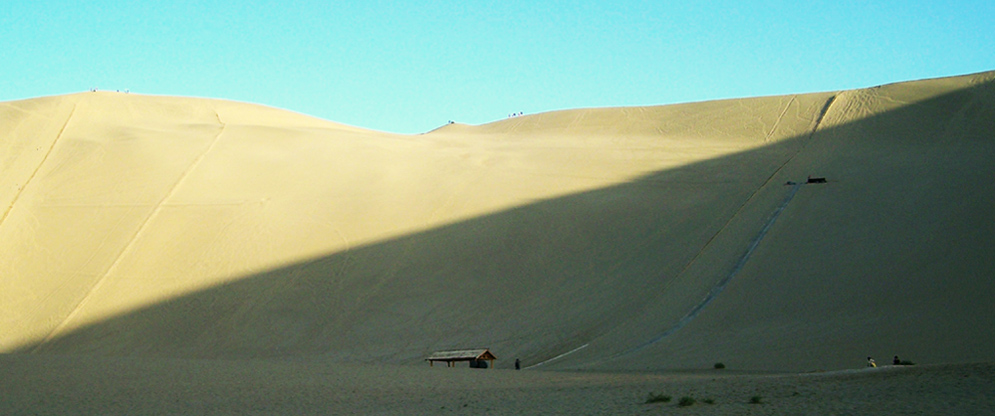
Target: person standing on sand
x=870, y=362
x=518, y=364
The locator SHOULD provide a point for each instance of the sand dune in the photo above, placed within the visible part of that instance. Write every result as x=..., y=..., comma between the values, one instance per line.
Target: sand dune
x=641, y=238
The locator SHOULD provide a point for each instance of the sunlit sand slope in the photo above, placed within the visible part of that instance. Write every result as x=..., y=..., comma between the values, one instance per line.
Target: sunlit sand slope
x=644, y=237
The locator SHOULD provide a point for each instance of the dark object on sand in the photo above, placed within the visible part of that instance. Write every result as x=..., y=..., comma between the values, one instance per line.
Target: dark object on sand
x=816, y=180
x=906, y=362
x=896, y=361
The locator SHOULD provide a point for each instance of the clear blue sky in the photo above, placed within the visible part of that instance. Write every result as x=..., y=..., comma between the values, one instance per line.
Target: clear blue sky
x=410, y=67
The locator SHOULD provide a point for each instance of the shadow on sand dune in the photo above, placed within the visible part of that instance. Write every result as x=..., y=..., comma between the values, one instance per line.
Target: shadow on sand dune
x=617, y=267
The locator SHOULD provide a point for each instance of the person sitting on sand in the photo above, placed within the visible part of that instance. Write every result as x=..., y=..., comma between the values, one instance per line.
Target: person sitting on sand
x=896, y=361
x=870, y=362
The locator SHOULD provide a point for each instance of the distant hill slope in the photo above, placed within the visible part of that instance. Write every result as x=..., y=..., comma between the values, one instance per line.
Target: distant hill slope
x=634, y=238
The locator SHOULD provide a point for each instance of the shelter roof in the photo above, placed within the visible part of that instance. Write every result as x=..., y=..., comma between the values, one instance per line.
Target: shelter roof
x=462, y=355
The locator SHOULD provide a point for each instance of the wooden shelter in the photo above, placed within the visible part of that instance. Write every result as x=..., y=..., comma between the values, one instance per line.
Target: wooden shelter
x=473, y=356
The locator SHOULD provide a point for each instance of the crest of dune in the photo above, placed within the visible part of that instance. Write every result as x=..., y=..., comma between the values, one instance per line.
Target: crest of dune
x=637, y=237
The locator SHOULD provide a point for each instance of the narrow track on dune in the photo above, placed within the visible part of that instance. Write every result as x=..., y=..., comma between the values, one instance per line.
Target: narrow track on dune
x=44, y=159
x=557, y=357
x=779, y=118
x=745, y=257
x=131, y=242
x=721, y=285
x=815, y=127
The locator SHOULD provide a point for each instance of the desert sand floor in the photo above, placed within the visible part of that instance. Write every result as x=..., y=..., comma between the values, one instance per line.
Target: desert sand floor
x=61, y=385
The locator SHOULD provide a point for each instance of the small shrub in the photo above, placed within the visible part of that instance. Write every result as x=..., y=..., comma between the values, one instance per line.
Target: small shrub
x=658, y=398
x=719, y=366
x=709, y=401
x=756, y=400
x=686, y=401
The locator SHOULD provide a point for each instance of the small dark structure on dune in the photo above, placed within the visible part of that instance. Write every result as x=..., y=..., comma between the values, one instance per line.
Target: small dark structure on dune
x=810, y=180
x=478, y=358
